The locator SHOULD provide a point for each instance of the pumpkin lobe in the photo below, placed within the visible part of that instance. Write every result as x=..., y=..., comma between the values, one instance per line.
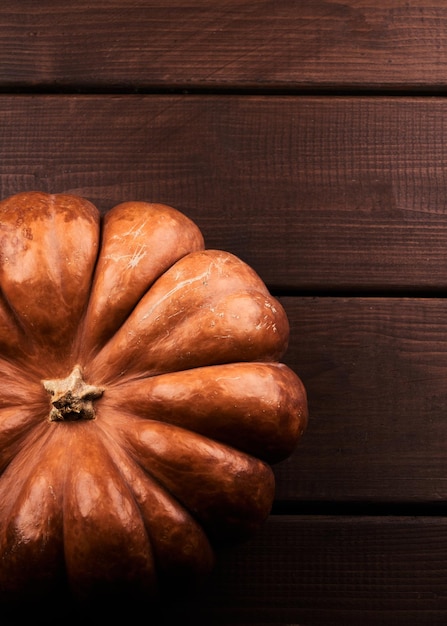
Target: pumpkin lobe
x=71, y=397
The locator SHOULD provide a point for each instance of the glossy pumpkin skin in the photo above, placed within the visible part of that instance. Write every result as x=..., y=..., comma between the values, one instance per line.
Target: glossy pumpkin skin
x=181, y=400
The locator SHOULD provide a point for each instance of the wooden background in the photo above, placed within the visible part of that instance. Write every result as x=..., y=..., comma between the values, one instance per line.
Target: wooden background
x=309, y=137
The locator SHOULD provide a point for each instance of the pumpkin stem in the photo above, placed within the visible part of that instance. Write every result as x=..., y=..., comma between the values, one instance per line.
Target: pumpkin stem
x=71, y=397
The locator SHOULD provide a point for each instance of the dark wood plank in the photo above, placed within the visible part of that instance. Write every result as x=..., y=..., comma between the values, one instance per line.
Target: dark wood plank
x=265, y=44
x=314, y=193
x=328, y=570
x=375, y=372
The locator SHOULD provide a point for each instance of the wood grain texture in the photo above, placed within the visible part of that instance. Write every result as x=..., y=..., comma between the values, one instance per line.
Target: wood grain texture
x=375, y=372
x=228, y=44
x=314, y=193
x=329, y=570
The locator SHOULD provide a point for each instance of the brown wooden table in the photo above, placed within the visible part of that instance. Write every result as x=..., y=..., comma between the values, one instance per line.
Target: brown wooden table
x=309, y=137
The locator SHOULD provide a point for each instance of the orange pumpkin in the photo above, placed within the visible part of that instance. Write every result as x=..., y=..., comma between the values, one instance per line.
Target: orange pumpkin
x=142, y=398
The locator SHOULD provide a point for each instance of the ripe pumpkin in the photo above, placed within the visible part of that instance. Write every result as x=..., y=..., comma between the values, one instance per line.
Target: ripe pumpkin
x=142, y=398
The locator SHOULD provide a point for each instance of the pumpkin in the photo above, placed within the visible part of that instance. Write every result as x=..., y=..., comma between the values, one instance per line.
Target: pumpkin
x=142, y=398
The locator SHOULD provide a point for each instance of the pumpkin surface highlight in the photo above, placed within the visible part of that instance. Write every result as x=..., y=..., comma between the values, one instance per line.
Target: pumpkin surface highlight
x=142, y=398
